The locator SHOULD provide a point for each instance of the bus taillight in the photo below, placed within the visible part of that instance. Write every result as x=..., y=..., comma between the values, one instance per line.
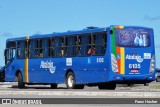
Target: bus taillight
x=152, y=64
x=114, y=63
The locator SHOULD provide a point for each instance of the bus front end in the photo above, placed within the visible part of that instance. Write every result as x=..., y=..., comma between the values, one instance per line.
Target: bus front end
x=132, y=55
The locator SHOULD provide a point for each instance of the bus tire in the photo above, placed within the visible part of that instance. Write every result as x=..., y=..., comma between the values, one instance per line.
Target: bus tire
x=53, y=86
x=70, y=81
x=20, y=81
x=146, y=84
x=107, y=86
x=157, y=79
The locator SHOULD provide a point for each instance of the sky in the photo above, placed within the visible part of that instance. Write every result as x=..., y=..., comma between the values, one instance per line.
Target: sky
x=19, y=18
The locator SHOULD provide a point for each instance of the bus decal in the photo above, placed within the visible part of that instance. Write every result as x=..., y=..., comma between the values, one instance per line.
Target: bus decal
x=68, y=61
x=135, y=57
x=48, y=65
x=147, y=55
x=121, y=59
x=119, y=53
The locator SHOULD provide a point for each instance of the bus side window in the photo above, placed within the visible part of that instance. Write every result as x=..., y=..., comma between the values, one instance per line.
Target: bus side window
x=78, y=45
x=75, y=45
x=82, y=45
x=69, y=46
x=57, y=47
x=18, y=50
x=32, y=48
x=51, y=47
x=22, y=49
x=86, y=44
x=62, y=46
x=40, y=49
x=45, y=48
x=100, y=43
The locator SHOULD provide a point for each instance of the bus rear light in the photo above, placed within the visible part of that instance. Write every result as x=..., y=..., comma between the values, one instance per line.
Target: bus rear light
x=119, y=27
x=114, y=63
x=152, y=64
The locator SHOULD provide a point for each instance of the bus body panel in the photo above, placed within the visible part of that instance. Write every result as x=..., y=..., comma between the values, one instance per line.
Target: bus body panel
x=88, y=69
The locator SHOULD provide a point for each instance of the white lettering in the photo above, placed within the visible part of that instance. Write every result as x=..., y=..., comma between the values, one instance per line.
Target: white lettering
x=136, y=57
x=46, y=64
x=151, y=101
x=100, y=60
x=134, y=66
x=139, y=102
x=146, y=101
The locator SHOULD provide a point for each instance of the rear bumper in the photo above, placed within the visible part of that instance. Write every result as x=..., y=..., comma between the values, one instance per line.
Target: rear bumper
x=134, y=78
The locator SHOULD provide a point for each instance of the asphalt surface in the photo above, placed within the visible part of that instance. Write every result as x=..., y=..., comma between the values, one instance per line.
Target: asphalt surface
x=121, y=91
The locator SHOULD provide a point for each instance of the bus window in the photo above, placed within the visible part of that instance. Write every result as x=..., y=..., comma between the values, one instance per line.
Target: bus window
x=10, y=52
x=45, y=47
x=85, y=44
x=50, y=47
x=99, y=43
x=132, y=37
x=58, y=47
x=62, y=46
x=32, y=48
x=78, y=43
x=38, y=48
x=72, y=46
x=69, y=46
x=76, y=48
x=21, y=49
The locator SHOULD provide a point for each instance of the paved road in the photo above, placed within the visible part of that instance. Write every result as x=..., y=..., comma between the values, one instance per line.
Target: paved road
x=139, y=90
x=62, y=87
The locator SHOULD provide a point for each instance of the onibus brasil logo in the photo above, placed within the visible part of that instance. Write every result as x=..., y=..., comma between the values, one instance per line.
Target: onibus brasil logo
x=49, y=65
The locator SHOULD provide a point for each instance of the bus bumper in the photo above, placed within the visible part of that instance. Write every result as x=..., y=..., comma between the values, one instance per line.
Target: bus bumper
x=134, y=78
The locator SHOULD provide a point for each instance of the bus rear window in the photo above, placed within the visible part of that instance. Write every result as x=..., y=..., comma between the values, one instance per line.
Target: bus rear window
x=132, y=37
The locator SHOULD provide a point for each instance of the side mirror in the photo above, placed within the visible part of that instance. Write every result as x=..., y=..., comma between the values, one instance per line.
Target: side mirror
x=5, y=51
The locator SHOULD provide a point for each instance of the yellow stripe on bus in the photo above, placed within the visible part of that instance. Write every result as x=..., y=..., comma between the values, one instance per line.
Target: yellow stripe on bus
x=122, y=61
x=26, y=70
x=26, y=62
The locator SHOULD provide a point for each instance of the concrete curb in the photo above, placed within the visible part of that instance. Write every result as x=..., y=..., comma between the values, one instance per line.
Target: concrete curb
x=84, y=93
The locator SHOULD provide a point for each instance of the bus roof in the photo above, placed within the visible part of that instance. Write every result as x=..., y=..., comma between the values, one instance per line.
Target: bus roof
x=38, y=36
x=70, y=32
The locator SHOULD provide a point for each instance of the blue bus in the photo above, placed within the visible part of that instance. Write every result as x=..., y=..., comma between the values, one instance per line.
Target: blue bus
x=93, y=56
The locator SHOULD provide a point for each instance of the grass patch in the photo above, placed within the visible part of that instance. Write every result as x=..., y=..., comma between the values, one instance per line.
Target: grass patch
x=155, y=87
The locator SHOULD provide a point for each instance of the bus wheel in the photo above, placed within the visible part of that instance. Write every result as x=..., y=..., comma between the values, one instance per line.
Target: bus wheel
x=53, y=86
x=20, y=81
x=70, y=82
x=108, y=86
x=146, y=84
